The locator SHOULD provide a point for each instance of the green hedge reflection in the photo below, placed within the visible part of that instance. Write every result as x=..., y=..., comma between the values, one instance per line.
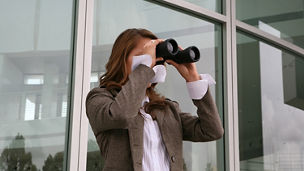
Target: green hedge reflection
x=94, y=160
x=14, y=157
x=54, y=163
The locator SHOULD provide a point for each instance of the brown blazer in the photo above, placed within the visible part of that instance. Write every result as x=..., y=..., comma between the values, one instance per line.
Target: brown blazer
x=118, y=127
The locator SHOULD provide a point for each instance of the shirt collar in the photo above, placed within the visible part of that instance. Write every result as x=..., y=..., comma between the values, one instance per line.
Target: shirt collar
x=145, y=100
x=142, y=111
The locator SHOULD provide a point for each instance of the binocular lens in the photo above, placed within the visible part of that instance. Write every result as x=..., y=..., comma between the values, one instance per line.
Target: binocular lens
x=170, y=47
x=169, y=50
x=192, y=54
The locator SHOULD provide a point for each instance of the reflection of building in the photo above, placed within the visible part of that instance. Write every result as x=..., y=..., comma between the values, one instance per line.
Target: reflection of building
x=51, y=54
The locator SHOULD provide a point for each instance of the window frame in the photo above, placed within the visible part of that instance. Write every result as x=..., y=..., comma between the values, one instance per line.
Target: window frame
x=82, y=56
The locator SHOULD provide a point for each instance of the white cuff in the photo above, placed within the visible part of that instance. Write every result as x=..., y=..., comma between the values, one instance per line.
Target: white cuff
x=141, y=59
x=198, y=89
x=160, y=74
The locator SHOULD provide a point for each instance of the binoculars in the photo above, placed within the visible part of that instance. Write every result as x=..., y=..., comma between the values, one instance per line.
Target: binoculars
x=169, y=50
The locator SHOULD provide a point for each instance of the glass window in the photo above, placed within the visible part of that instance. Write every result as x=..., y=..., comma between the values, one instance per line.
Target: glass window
x=270, y=104
x=35, y=57
x=285, y=17
x=110, y=20
x=215, y=5
x=33, y=79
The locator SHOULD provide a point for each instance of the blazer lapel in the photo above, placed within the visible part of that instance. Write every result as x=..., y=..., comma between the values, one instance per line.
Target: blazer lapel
x=160, y=115
x=168, y=128
x=135, y=129
x=161, y=120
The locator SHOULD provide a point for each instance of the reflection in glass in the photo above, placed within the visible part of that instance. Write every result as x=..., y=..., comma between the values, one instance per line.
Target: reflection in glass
x=286, y=17
x=14, y=156
x=34, y=68
x=165, y=23
x=214, y=5
x=293, y=72
x=53, y=163
x=33, y=79
x=270, y=113
x=94, y=159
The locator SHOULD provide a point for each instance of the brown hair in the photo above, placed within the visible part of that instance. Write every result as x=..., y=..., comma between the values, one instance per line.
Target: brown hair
x=116, y=69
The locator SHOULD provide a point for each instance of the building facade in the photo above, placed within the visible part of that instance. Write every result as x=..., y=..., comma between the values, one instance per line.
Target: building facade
x=53, y=52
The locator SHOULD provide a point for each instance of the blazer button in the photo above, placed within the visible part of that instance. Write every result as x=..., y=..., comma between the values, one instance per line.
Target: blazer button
x=173, y=159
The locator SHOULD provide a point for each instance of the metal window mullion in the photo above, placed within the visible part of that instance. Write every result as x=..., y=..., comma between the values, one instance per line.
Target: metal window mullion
x=228, y=120
x=77, y=87
x=235, y=112
x=269, y=38
x=87, y=57
x=231, y=124
x=192, y=9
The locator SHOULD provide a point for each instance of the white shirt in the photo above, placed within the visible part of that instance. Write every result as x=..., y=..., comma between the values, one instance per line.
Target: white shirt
x=155, y=156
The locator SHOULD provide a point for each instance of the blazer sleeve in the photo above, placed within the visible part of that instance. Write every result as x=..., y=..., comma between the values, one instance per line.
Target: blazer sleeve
x=207, y=126
x=106, y=112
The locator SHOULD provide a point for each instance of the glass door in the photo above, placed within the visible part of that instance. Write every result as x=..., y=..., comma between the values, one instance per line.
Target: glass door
x=35, y=57
x=110, y=20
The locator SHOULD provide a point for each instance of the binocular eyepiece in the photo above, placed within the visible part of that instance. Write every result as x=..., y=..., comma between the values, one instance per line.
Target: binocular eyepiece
x=169, y=50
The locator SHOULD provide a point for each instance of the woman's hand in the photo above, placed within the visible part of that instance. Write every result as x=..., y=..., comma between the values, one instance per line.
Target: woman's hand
x=187, y=70
x=150, y=49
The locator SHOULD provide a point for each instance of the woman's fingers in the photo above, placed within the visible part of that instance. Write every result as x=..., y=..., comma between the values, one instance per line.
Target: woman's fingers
x=179, y=67
x=188, y=70
x=171, y=62
x=180, y=48
x=153, y=42
x=158, y=41
x=150, y=48
x=159, y=59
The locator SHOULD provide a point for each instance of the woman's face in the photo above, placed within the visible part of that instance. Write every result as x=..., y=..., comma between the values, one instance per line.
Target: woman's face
x=138, y=50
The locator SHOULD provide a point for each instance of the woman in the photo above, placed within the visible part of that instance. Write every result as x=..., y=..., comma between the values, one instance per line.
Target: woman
x=136, y=128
